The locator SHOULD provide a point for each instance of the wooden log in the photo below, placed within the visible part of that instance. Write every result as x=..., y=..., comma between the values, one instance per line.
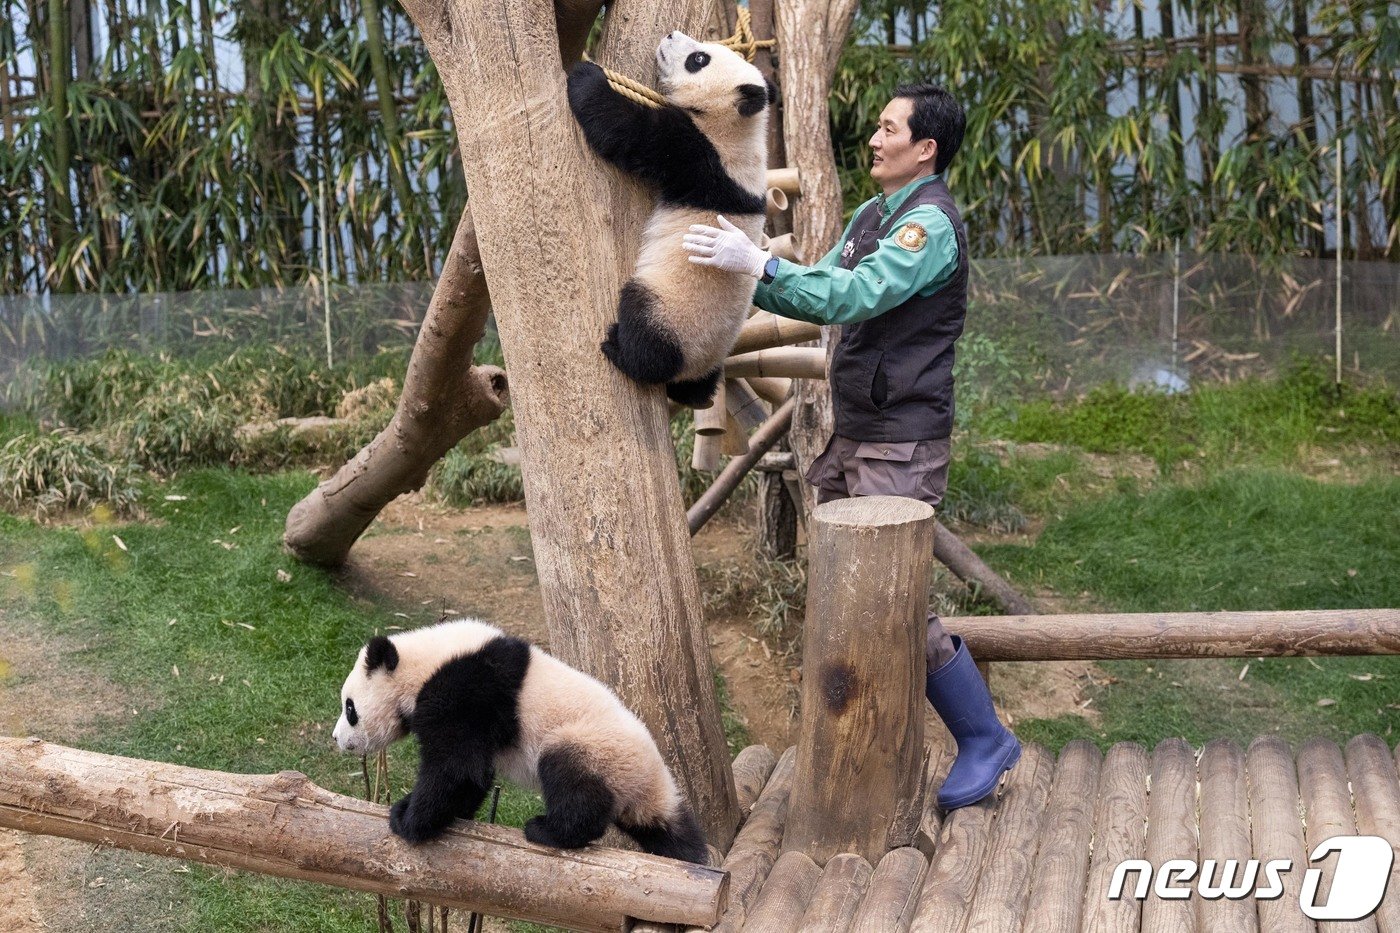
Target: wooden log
x=777, y=511
x=862, y=696
x=789, y=362
x=953, y=872
x=1322, y=781
x=1376, y=791
x=783, y=900
x=771, y=389
x=1062, y=861
x=1118, y=834
x=755, y=849
x=893, y=894
x=1000, y=902
x=752, y=767
x=1171, y=832
x=744, y=405
x=284, y=825
x=838, y=894
x=734, y=472
x=939, y=758
x=784, y=179
x=765, y=330
x=950, y=551
x=1099, y=637
x=1224, y=837
x=1276, y=830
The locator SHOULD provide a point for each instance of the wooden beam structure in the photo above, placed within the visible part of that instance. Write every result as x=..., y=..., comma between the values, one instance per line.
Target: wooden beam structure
x=284, y=825
x=1102, y=637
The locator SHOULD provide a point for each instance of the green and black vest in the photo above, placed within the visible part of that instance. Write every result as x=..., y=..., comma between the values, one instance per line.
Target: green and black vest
x=892, y=376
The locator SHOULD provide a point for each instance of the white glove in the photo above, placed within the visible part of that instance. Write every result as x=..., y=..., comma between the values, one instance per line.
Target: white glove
x=729, y=249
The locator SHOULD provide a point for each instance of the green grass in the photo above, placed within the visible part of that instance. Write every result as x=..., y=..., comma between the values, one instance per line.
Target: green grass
x=259, y=661
x=1261, y=422
x=1242, y=539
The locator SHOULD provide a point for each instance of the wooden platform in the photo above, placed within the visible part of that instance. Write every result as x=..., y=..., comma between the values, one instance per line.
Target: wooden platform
x=1040, y=854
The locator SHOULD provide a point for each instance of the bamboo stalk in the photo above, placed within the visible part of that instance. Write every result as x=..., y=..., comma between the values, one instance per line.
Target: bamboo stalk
x=724, y=485
x=765, y=330
x=784, y=179
x=789, y=362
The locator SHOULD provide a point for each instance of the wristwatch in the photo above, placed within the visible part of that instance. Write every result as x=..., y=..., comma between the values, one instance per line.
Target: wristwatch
x=770, y=269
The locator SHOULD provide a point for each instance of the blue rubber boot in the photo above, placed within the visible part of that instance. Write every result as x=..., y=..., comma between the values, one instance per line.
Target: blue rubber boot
x=986, y=748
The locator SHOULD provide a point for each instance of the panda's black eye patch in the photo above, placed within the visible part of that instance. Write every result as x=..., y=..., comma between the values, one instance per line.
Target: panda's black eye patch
x=696, y=60
x=351, y=716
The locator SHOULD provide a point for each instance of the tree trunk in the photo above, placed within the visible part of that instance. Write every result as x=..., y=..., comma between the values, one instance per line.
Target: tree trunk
x=597, y=459
x=284, y=825
x=811, y=34
x=857, y=787
x=444, y=398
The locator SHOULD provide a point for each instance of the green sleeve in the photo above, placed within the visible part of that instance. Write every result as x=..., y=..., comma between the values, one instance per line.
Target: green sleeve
x=888, y=277
x=764, y=296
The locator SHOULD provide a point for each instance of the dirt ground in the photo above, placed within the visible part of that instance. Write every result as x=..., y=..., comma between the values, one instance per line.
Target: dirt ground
x=429, y=561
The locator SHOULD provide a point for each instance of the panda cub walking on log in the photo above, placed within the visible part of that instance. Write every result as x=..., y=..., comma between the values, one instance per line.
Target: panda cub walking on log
x=481, y=701
x=706, y=153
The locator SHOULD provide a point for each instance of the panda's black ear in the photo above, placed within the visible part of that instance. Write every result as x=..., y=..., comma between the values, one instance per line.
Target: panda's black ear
x=380, y=653
x=752, y=99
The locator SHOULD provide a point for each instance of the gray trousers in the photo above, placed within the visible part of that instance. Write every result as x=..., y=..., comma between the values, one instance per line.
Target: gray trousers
x=913, y=469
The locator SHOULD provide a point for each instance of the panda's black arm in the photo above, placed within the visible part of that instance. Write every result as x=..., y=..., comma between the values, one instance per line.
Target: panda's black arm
x=639, y=140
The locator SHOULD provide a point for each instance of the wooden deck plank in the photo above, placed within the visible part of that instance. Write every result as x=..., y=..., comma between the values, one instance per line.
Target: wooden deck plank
x=1067, y=827
x=953, y=871
x=1120, y=818
x=889, y=902
x=783, y=901
x=1322, y=779
x=1224, y=813
x=1172, y=832
x=999, y=903
x=1376, y=791
x=940, y=759
x=838, y=894
x=1277, y=830
x=755, y=848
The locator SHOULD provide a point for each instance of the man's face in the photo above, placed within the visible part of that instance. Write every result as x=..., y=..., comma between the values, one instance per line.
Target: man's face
x=898, y=159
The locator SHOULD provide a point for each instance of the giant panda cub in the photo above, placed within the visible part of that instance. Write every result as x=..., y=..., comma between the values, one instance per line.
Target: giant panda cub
x=481, y=701
x=706, y=154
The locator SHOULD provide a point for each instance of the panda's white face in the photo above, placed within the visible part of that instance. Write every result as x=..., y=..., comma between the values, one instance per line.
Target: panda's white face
x=371, y=718
x=707, y=78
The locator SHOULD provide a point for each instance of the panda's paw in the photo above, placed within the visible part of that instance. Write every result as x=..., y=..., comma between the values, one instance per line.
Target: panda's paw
x=537, y=831
x=404, y=827
x=585, y=79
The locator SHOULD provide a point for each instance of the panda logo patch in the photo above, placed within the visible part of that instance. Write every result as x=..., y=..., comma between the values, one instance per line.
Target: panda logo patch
x=911, y=237
x=849, y=249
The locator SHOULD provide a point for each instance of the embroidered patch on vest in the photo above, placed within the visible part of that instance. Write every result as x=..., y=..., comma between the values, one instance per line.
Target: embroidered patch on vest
x=849, y=249
x=911, y=237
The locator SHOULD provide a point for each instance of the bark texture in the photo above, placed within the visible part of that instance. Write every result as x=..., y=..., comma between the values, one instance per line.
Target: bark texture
x=559, y=233
x=811, y=34
x=284, y=825
x=444, y=398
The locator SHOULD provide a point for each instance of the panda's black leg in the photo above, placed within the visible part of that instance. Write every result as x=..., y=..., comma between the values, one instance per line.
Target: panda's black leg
x=579, y=806
x=678, y=837
x=635, y=344
x=440, y=795
x=695, y=392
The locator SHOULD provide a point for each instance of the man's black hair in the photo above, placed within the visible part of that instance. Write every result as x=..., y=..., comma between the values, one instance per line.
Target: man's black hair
x=937, y=116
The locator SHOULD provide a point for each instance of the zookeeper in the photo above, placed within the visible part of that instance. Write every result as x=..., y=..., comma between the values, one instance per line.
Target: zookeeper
x=897, y=281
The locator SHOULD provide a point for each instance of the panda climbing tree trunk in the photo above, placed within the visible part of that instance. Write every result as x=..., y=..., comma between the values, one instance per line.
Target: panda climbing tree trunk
x=811, y=34
x=442, y=401
x=606, y=517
